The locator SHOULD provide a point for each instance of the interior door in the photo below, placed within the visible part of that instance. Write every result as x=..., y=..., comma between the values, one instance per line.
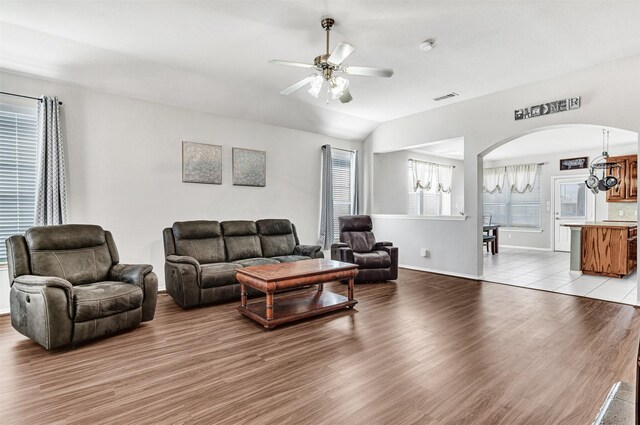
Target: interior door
x=573, y=202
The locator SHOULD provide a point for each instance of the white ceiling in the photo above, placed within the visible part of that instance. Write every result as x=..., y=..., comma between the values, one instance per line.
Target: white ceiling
x=213, y=55
x=575, y=138
x=583, y=138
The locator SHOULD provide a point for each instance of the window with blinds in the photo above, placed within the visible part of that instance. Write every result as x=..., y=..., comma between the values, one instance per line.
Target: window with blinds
x=431, y=202
x=343, y=168
x=18, y=139
x=511, y=209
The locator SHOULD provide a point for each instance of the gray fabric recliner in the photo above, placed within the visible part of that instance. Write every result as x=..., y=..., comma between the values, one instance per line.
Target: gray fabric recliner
x=202, y=257
x=377, y=261
x=68, y=286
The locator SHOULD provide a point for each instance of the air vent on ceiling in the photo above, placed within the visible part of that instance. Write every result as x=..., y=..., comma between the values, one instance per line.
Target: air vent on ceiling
x=446, y=96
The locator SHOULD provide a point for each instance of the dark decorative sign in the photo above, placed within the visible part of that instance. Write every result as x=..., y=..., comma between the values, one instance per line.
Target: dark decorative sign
x=548, y=108
x=574, y=163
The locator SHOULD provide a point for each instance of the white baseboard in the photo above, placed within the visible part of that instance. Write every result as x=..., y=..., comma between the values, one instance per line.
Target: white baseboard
x=524, y=247
x=437, y=271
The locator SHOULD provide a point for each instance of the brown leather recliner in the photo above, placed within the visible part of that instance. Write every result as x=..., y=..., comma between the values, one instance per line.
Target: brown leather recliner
x=377, y=261
x=68, y=285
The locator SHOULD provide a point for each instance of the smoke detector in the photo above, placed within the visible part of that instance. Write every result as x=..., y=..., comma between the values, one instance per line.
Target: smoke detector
x=427, y=45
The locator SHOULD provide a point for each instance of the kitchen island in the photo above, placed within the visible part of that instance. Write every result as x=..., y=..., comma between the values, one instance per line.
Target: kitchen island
x=604, y=248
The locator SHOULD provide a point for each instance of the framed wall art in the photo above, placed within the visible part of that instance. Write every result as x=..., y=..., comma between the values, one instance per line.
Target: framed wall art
x=201, y=163
x=249, y=167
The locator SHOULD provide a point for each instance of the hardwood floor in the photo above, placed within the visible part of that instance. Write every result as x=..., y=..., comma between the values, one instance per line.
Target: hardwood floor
x=430, y=350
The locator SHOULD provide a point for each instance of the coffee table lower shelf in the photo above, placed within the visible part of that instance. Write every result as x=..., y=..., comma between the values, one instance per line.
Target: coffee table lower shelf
x=295, y=307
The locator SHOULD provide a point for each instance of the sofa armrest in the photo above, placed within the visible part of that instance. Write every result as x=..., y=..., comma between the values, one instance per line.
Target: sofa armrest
x=342, y=253
x=33, y=283
x=49, y=281
x=130, y=273
x=393, y=253
x=308, y=250
x=183, y=259
x=141, y=275
x=182, y=276
x=339, y=245
x=383, y=243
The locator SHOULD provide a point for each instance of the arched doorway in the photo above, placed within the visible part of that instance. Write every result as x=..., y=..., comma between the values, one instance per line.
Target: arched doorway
x=529, y=253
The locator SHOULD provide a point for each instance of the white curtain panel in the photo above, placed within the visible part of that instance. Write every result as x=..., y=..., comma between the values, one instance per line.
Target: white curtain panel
x=522, y=177
x=445, y=177
x=423, y=175
x=51, y=194
x=493, y=179
x=325, y=239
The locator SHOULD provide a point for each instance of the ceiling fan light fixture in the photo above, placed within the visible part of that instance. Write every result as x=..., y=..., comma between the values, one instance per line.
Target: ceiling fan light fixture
x=316, y=86
x=338, y=86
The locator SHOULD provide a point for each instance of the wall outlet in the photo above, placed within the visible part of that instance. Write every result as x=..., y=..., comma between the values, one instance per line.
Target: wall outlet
x=509, y=235
x=424, y=252
x=621, y=213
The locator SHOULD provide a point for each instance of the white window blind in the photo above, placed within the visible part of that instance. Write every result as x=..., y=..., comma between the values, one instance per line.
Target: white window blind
x=511, y=209
x=343, y=183
x=18, y=140
x=431, y=202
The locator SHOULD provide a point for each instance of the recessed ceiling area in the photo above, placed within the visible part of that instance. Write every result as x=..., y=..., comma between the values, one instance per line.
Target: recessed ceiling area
x=213, y=56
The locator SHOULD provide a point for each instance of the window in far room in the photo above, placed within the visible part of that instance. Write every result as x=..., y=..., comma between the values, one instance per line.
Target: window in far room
x=18, y=141
x=432, y=199
x=344, y=177
x=509, y=208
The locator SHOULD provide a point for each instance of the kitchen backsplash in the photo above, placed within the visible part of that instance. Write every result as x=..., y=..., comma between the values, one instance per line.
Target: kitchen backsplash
x=629, y=210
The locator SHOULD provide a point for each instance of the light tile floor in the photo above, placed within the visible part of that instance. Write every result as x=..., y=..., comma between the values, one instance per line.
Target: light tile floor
x=549, y=271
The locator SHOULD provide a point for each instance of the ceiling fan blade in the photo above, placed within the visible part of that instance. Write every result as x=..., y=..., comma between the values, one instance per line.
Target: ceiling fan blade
x=369, y=72
x=296, y=86
x=289, y=63
x=346, y=97
x=340, y=53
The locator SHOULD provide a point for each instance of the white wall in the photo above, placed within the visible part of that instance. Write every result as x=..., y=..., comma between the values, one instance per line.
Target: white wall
x=124, y=168
x=609, y=98
x=390, y=181
x=551, y=169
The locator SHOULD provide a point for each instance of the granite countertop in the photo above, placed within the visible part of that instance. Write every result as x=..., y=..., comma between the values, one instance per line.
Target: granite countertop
x=615, y=224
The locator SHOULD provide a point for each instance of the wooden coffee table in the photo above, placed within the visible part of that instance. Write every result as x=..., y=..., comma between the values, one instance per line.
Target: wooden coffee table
x=272, y=278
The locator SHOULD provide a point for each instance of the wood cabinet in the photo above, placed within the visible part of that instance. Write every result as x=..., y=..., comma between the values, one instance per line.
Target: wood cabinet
x=627, y=188
x=609, y=251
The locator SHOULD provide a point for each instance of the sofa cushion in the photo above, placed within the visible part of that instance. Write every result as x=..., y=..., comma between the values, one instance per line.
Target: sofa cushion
x=76, y=252
x=219, y=274
x=276, y=237
x=248, y=262
x=372, y=260
x=290, y=258
x=241, y=240
x=359, y=241
x=199, y=239
x=102, y=299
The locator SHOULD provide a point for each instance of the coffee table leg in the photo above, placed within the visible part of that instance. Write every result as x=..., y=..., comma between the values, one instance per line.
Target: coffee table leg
x=269, y=306
x=350, y=293
x=320, y=287
x=243, y=295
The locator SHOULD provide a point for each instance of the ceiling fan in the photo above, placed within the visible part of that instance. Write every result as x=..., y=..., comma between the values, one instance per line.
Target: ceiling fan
x=328, y=64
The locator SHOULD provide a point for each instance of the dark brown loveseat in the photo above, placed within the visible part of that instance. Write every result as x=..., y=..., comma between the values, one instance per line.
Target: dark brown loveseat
x=68, y=286
x=202, y=257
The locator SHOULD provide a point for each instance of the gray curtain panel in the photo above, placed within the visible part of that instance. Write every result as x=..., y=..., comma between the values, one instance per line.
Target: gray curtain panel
x=355, y=204
x=326, y=208
x=51, y=195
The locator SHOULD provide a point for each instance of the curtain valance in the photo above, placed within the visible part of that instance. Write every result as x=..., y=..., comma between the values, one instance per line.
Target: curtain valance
x=428, y=175
x=522, y=178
